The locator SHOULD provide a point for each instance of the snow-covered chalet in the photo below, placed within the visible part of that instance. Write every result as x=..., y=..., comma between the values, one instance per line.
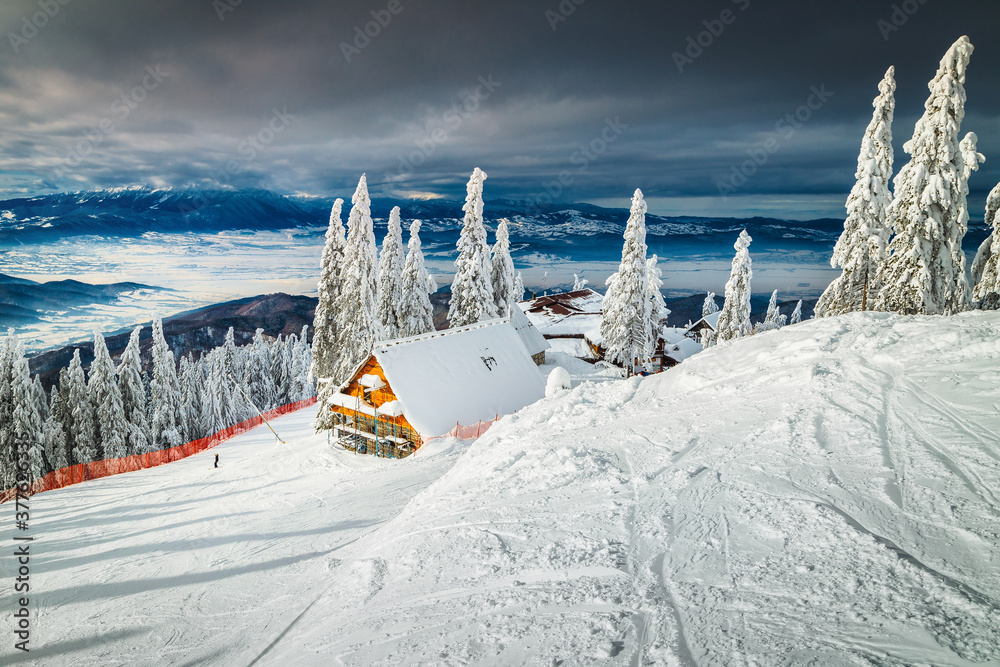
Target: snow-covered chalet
x=411, y=390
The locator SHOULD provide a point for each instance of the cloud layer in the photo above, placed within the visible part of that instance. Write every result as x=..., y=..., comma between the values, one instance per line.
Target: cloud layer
x=578, y=100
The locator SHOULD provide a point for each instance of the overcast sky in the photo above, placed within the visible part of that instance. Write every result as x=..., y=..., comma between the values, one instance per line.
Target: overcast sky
x=295, y=97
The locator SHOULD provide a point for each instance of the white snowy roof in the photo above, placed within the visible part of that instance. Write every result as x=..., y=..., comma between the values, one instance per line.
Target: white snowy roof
x=567, y=314
x=682, y=349
x=712, y=321
x=462, y=375
x=534, y=341
x=371, y=382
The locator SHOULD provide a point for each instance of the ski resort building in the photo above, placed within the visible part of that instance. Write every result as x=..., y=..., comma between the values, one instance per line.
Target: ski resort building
x=570, y=322
x=457, y=381
x=709, y=322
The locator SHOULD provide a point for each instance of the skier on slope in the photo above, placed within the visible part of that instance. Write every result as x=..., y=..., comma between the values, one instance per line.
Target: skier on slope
x=216, y=459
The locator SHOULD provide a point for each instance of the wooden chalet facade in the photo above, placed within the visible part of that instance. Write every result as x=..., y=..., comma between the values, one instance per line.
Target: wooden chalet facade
x=412, y=390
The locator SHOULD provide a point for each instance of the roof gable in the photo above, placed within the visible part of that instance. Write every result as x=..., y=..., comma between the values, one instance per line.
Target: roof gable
x=463, y=375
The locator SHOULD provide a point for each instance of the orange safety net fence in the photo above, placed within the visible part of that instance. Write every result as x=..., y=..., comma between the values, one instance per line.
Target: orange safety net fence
x=82, y=472
x=463, y=432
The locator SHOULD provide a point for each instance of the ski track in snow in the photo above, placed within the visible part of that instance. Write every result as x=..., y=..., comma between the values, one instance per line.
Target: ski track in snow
x=824, y=494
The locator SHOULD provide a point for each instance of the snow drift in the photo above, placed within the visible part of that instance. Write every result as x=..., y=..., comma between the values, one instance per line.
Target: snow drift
x=826, y=494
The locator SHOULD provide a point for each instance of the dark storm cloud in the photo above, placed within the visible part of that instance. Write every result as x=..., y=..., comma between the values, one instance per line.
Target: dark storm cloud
x=529, y=91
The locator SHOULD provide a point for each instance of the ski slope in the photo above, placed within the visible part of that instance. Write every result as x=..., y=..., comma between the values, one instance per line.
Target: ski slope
x=825, y=494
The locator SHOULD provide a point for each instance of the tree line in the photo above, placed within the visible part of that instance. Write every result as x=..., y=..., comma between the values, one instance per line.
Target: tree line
x=118, y=410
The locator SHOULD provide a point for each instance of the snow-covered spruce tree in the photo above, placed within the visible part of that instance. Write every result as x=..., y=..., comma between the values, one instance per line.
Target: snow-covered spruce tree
x=986, y=266
x=27, y=422
x=796, y=314
x=625, y=320
x=233, y=363
x=301, y=359
x=658, y=310
x=519, y=286
x=924, y=272
x=279, y=370
x=861, y=248
x=709, y=306
x=217, y=410
x=189, y=378
x=390, y=276
x=502, y=272
x=416, y=311
x=734, y=321
x=325, y=320
x=774, y=319
x=54, y=442
x=109, y=408
x=358, y=325
x=165, y=393
x=472, y=290
x=133, y=393
x=81, y=412
x=258, y=379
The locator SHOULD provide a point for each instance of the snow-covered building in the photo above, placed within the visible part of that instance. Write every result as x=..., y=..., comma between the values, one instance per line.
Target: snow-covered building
x=710, y=322
x=413, y=389
x=534, y=341
x=570, y=322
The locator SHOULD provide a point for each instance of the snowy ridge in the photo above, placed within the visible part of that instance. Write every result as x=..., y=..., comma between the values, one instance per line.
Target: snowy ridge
x=822, y=494
x=843, y=509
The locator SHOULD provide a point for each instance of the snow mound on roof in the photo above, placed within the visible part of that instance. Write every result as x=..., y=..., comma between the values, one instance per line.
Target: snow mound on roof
x=827, y=493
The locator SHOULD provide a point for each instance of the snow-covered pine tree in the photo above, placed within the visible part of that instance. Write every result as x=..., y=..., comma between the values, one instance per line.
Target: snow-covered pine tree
x=519, y=286
x=109, y=408
x=358, y=325
x=774, y=319
x=578, y=283
x=390, y=276
x=165, y=393
x=796, y=314
x=986, y=266
x=41, y=398
x=301, y=360
x=81, y=412
x=189, y=379
x=472, y=290
x=217, y=410
x=27, y=424
x=233, y=364
x=502, y=272
x=258, y=380
x=54, y=440
x=325, y=320
x=133, y=393
x=734, y=321
x=417, y=313
x=625, y=320
x=924, y=272
x=658, y=310
x=279, y=371
x=709, y=306
x=861, y=248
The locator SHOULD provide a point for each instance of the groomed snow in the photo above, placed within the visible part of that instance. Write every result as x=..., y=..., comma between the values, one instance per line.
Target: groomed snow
x=828, y=494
